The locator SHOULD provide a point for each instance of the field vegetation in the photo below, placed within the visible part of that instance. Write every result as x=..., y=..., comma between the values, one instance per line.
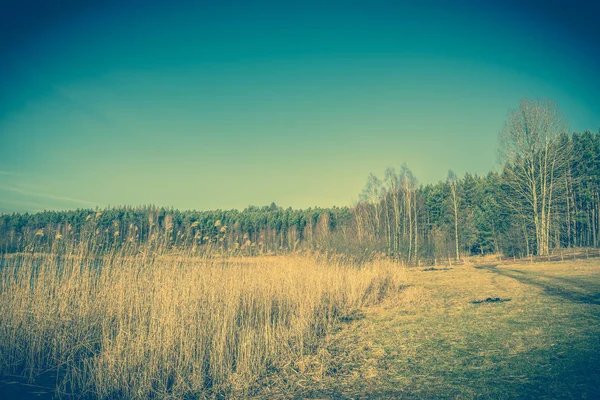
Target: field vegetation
x=298, y=326
x=133, y=326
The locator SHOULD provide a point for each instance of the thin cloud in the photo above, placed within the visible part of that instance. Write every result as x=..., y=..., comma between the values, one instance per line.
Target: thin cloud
x=80, y=105
x=9, y=173
x=47, y=196
x=40, y=206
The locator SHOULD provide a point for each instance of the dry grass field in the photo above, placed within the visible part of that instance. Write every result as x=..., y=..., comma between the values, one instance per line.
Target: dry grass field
x=171, y=327
x=298, y=327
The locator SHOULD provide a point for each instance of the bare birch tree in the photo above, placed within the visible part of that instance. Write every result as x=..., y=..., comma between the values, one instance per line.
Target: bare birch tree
x=372, y=195
x=409, y=186
x=393, y=185
x=531, y=151
x=453, y=184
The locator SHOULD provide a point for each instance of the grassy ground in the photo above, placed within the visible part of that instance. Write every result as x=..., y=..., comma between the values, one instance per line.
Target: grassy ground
x=433, y=341
x=478, y=330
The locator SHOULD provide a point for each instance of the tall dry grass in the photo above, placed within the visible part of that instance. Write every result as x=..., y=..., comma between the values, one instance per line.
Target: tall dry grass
x=132, y=326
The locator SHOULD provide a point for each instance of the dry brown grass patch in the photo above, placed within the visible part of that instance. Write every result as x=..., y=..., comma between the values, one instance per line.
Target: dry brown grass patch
x=170, y=326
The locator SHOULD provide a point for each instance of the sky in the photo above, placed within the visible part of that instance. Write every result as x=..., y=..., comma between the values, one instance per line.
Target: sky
x=220, y=105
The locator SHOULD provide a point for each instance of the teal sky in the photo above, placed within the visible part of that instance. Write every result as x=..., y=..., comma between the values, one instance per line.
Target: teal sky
x=204, y=106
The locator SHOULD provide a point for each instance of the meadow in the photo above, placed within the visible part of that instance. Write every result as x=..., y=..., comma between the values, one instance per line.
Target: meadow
x=481, y=330
x=297, y=326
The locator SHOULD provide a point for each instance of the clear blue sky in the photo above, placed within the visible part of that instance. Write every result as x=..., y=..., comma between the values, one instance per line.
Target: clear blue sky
x=210, y=105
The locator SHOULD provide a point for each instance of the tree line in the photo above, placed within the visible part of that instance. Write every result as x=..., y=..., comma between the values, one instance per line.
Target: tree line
x=545, y=196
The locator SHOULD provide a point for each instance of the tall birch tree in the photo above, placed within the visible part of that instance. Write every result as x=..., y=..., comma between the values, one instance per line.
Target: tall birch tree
x=453, y=184
x=532, y=154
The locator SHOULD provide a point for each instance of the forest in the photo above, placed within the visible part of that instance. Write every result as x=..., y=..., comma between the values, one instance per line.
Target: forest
x=545, y=195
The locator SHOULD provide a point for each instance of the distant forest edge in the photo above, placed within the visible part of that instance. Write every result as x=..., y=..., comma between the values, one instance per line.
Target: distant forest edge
x=546, y=196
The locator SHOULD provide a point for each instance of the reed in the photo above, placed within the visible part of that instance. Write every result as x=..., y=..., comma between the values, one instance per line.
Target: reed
x=132, y=325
